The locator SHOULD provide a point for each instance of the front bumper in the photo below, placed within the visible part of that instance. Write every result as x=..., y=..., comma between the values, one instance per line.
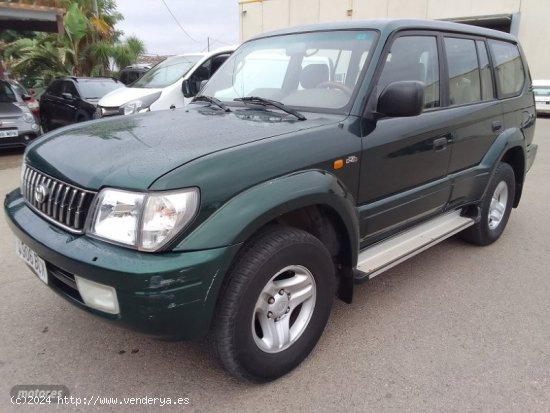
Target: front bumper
x=166, y=295
x=23, y=139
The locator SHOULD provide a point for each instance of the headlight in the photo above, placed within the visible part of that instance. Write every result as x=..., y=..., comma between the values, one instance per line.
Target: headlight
x=146, y=221
x=139, y=105
x=28, y=117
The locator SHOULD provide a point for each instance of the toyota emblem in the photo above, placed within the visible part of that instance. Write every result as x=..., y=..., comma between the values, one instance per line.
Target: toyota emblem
x=40, y=193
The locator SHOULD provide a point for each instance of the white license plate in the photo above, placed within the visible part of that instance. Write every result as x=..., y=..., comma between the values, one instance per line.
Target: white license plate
x=8, y=133
x=37, y=264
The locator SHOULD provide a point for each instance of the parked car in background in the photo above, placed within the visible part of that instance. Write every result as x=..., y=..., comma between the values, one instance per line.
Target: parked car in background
x=541, y=88
x=132, y=73
x=73, y=99
x=170, y=84
x=28, y=97
x=17, y=124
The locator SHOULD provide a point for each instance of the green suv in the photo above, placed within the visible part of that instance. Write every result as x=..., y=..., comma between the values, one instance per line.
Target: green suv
x=315, y=158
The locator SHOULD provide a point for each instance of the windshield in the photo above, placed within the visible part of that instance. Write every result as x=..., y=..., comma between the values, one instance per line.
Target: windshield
x=96, y=89
x=6, y=93
x=19, y=89
x=542, y=91
x=167, y=72
x=314, y=70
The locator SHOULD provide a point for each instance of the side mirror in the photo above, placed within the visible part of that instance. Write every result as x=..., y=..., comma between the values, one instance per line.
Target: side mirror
x=26, y=97
x=401, y=99
x=67, y=96
x=186, y=88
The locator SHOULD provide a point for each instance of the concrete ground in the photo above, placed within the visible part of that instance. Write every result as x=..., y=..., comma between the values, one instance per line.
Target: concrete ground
x=456, y=329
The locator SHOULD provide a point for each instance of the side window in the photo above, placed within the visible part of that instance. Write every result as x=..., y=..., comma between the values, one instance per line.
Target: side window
x=201, y=73
x=508, y=67
x=217, y=61
x=69, y=87
x=413, y=58
x=55, y=88
x=487, y=89
x=464, y=78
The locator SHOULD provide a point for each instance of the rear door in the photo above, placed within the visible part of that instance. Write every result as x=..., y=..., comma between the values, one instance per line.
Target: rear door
x=405, y=160
x=514, y=87
x=475, y=114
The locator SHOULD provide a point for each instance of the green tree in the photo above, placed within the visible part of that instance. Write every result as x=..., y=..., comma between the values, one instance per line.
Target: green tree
x=89, y=46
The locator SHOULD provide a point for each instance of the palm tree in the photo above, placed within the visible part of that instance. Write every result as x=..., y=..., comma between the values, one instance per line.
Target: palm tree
x=90, y=45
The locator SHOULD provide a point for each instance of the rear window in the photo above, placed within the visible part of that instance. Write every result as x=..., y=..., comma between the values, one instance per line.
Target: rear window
x=509, y=69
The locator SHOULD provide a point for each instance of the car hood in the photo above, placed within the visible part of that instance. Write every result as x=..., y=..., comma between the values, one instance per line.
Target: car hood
x=119, y=97
x=133, y=151
x=9, y=110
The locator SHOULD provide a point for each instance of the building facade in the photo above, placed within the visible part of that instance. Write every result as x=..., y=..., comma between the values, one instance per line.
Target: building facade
x=526, y=19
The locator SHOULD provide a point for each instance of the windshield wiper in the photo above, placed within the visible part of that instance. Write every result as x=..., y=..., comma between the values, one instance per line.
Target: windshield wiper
x=210, y=99
x=256, y=100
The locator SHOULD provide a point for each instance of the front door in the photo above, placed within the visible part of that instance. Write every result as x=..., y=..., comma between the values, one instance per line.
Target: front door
x=405, y=160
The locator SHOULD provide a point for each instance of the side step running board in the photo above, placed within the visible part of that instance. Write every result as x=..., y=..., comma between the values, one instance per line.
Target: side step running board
x=384, y=255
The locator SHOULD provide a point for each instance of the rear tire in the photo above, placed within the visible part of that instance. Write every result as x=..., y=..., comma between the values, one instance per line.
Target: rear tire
x=274, y=305
x=495, y=208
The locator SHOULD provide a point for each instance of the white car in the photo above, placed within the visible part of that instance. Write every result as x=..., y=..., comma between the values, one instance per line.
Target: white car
x=542, y=96
x=171, y=84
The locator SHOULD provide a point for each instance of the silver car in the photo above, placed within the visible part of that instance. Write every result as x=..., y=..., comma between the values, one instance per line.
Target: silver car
x=17, y=124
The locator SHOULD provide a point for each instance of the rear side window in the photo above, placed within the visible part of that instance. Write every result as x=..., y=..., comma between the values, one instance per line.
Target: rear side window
x=509, y=69
x=464, y=77
x=487, y=89
x=413, y=58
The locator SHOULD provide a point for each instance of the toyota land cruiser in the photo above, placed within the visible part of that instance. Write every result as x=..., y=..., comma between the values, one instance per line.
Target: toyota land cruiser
x=314, y=158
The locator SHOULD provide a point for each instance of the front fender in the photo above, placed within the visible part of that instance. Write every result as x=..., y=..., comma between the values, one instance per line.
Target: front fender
x=239, y=218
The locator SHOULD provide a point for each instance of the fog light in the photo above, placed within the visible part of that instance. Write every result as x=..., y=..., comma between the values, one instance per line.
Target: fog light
x=99, y=296
x=26, y=138
x=35, y=127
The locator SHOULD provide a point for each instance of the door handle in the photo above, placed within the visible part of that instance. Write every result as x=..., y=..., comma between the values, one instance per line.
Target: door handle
x=496, y=126
x=440, y=144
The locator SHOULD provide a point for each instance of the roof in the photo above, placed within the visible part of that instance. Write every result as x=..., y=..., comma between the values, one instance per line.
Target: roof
x=390, y=25
x=17, y=16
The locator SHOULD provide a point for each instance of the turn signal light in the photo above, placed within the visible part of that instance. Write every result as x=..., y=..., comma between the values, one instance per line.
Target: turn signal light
x=338, y=164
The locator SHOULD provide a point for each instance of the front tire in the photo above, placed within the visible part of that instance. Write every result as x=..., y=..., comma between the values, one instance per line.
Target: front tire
x=275, y=304
x=495, y=208
x=45, y=123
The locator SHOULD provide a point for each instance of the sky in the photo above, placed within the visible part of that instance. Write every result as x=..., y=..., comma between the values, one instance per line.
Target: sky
x=151, y=22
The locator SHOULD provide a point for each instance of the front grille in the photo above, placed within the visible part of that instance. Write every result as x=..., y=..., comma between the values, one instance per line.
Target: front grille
x=64, y=204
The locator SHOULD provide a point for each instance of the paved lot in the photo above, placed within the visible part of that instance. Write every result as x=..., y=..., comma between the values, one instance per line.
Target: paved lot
x=455, y=329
